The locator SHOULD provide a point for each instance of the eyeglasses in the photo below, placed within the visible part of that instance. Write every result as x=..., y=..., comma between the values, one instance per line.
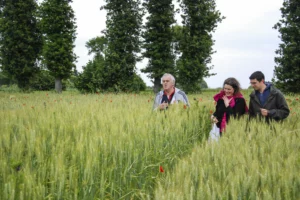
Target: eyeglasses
x=253, y=83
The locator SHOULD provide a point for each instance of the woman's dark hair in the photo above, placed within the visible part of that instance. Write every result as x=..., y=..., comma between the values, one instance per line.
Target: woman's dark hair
x=233, y=83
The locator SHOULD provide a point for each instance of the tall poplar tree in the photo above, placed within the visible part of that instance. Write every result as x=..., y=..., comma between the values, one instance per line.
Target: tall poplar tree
x=123, y=28
x=287, y=71
x=158, y=40
x=20, y=40
x=59, y=29
x=199, y=20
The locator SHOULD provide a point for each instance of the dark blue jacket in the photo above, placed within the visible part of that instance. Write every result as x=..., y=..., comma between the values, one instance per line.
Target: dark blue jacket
x=275, y=104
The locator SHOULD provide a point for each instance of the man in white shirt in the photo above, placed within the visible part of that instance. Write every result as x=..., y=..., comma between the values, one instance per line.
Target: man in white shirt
x=170, y=94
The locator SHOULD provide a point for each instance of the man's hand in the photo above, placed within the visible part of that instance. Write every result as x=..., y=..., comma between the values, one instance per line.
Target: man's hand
x=163, y=106
x=264, y=112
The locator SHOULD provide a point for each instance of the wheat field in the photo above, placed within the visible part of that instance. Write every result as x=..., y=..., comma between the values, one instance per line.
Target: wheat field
x=113, y=146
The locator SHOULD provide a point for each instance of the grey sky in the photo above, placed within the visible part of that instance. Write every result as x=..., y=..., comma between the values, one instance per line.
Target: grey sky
x=245, y=40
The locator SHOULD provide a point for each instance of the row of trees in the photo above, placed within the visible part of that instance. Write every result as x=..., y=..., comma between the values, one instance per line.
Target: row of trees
x=41, y=37
x=34, y=37
x=184, y=51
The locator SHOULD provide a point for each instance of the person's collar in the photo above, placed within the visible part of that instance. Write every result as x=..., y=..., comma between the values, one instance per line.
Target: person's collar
x=172, y=91
x=262, y=89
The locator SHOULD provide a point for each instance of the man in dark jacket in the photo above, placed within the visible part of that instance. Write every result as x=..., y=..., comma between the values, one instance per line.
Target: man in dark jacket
x=266, y=101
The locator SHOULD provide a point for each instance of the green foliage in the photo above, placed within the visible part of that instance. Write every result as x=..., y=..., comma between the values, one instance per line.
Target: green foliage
x=287, y=71
x=137, y=84
x=97, y=46
x=203, y=85
x=20, y=40
x=123, y=27
x=200, y=19
x=42, y=81
x=91, y=79
x=5, y=79
x=59, y=29
x=158, y=40
x=12, y=88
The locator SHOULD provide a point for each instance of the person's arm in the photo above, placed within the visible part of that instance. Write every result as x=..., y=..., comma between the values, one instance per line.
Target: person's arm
x=282, y=110
x=156, y=102
x=218, y=114
x=240, y=107
x=184, y=98
x=251, y=109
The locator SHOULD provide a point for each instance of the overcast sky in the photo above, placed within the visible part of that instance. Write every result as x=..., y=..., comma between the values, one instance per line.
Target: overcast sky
x=245, y=40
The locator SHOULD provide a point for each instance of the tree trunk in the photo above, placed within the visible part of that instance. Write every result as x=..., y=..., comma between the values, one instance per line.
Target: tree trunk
x=157, y=85
x=58, y=85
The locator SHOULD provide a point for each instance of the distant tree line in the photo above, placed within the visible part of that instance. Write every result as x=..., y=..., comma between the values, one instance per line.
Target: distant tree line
x=37, y=45
x=185, y=51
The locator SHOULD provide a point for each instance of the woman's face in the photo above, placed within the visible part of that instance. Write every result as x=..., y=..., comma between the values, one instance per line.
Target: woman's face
x=228, y=89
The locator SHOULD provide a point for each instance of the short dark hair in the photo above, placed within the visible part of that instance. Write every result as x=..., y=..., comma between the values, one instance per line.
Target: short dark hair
x=258, y=75
x=233, y=83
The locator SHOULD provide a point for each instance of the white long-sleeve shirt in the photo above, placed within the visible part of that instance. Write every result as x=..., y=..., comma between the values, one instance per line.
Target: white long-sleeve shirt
x=179, y=95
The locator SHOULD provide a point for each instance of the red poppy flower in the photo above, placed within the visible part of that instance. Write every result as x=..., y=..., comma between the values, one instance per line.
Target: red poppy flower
x=161, y=169
x=184, y=106
x=211, y=112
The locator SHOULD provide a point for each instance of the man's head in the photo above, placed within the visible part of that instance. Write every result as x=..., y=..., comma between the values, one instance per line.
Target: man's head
x=168, y=81
x=257, y=80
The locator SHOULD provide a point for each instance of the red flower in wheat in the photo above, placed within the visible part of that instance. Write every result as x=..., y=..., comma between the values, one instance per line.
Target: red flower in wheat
x=161, y=169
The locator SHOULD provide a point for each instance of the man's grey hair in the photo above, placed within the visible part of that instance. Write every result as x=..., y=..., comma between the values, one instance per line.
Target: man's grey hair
x=167, y=74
